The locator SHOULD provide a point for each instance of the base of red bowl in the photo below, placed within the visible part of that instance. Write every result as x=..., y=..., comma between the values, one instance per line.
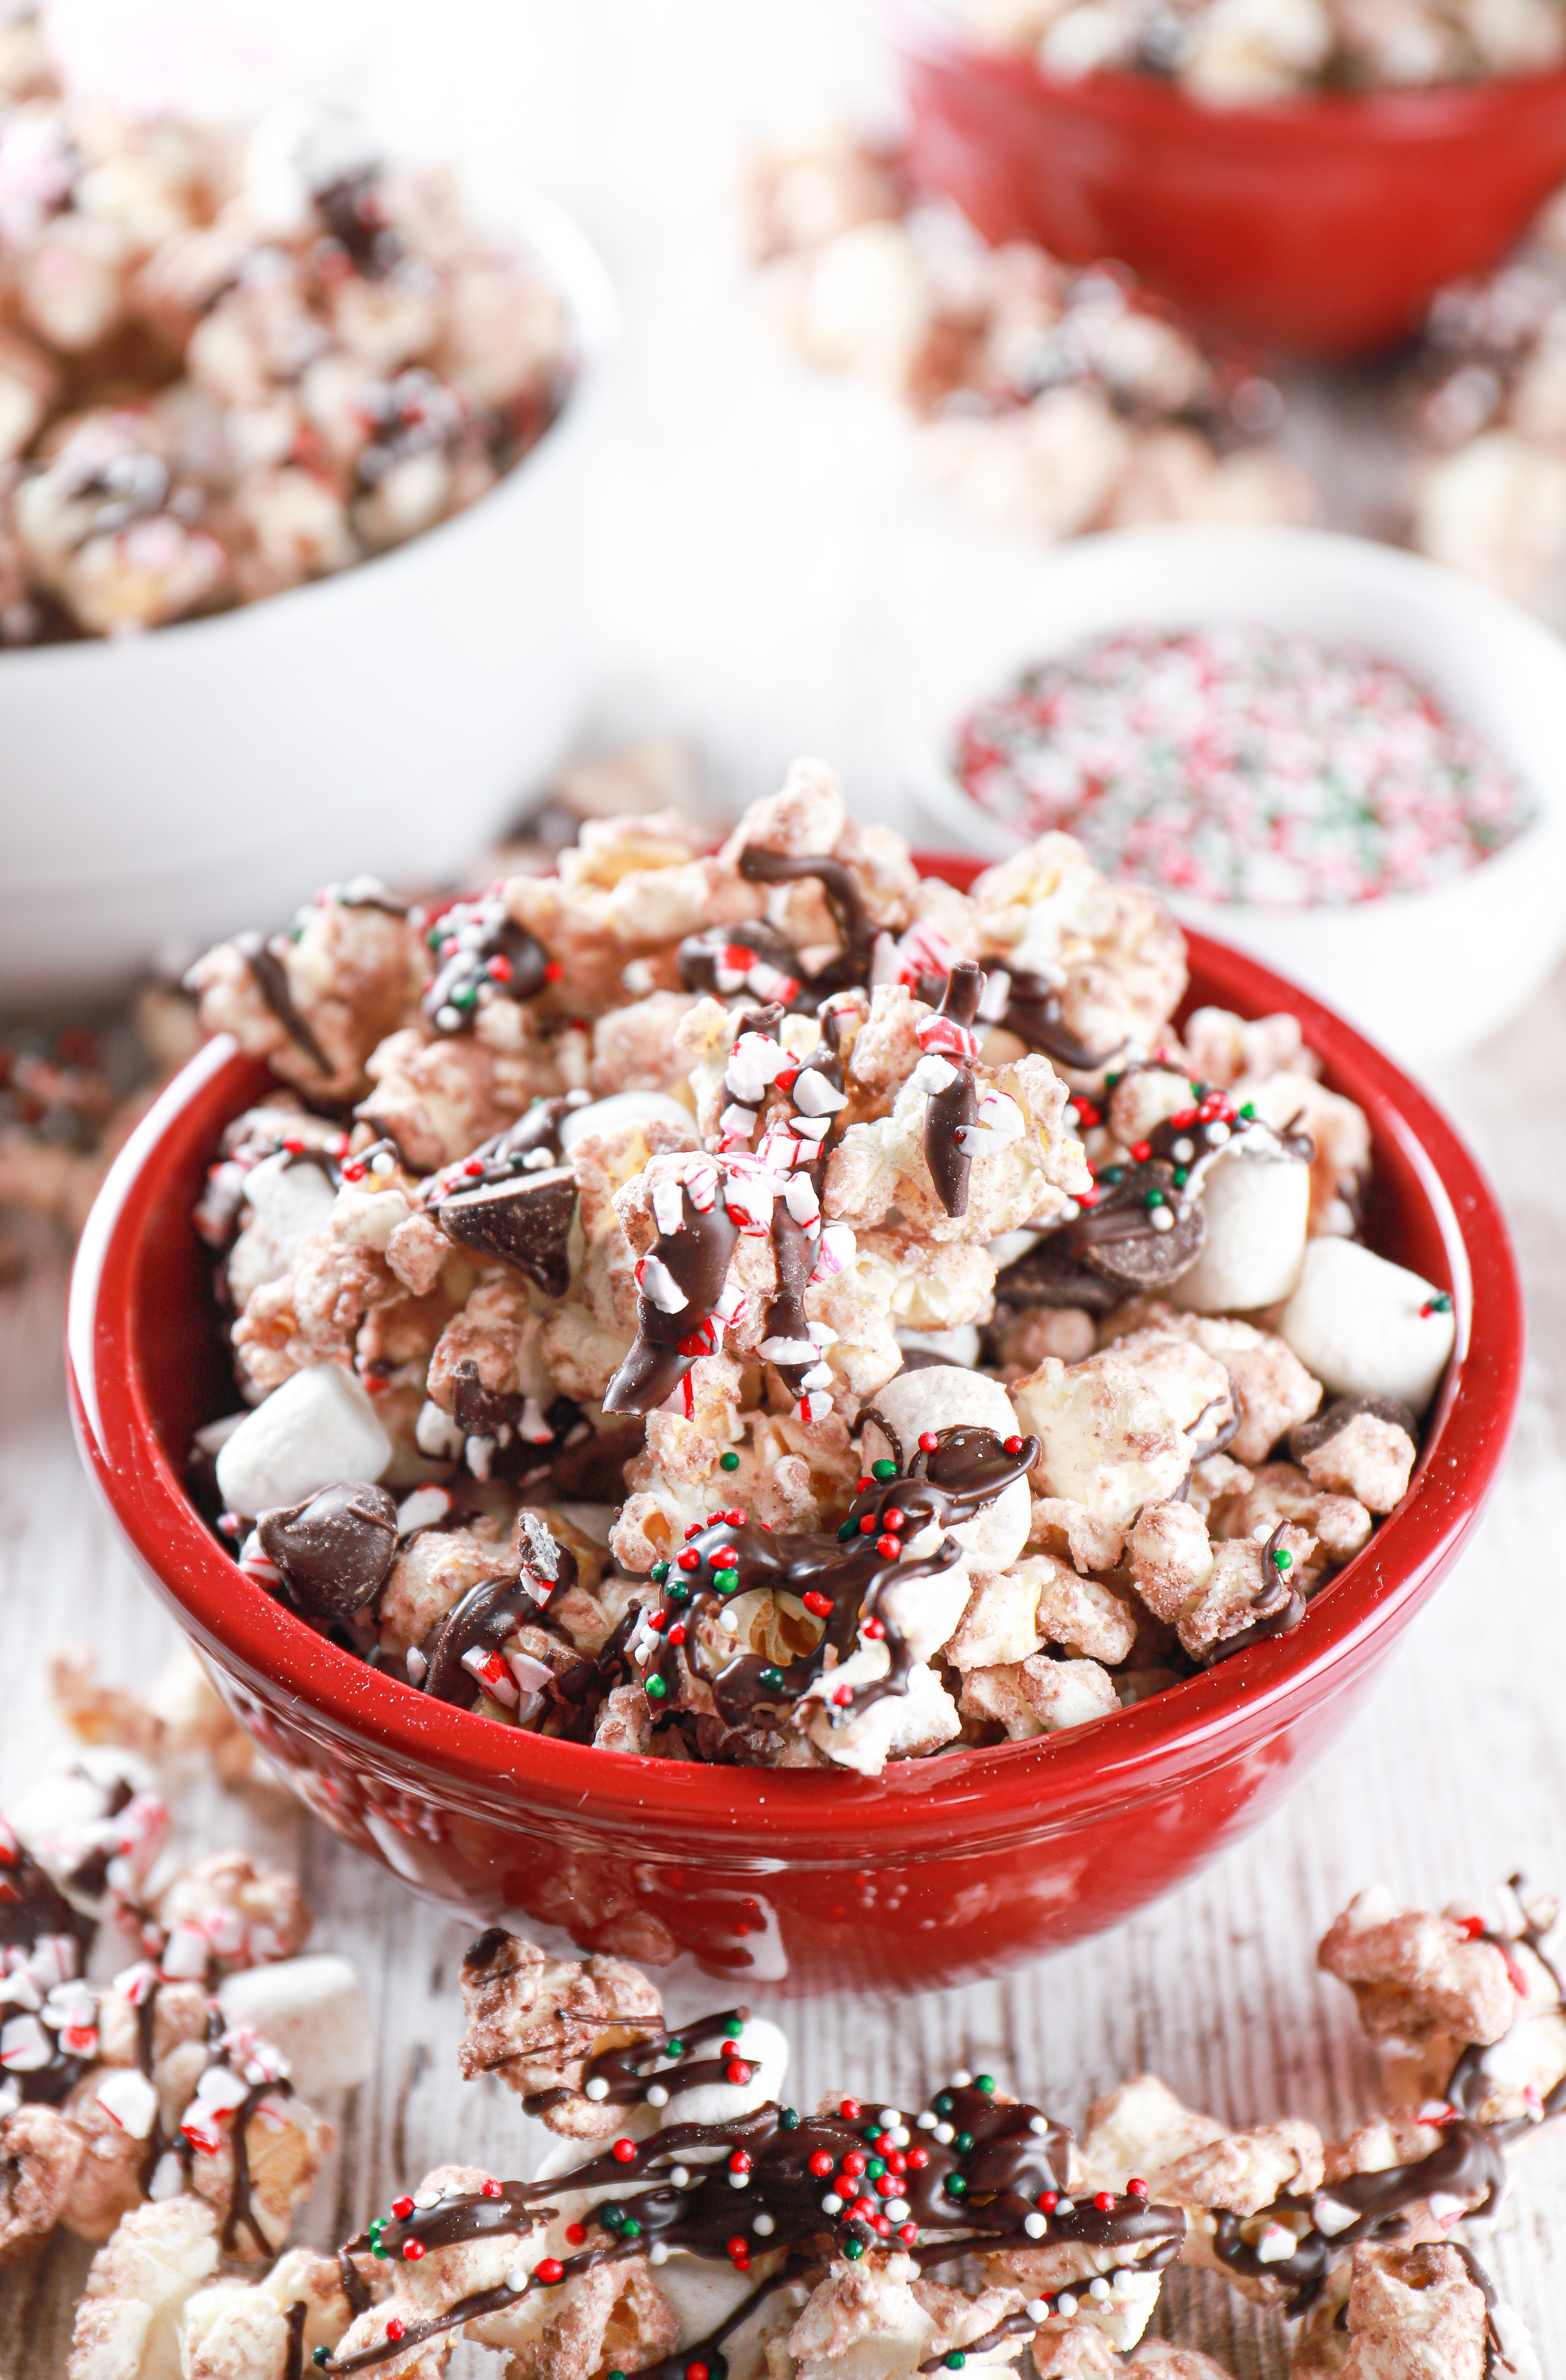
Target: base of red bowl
x=1320, y=226
x=939, y=1871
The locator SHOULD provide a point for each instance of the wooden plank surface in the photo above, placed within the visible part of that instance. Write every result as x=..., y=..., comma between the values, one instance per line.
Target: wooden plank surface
x=1455, y=1775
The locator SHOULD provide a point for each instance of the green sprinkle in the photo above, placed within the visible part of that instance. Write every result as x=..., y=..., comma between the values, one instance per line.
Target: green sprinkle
x=772, y=1679
x=657, y=1689
x=630, y=2228
x=984, y=2081
x=850, y=1529
x=435, y=937
x=883, y=1470
x=956, y=2359
x=1181, y=1175
x=378, y=2248
x=725, y=1581
x=729, y=1462
x=468, y=997
x=1441, y=1303
x=735, y=2027
x=962, y=2143
x=876, y=2166
x=789, y=2119
x=1110, y=1082
x=1112, y=1174
x=956, y=2187
x=1283, y=1559
x=676, y=2048
x=617, y=2376
x=854, y=2248
x=611, y=2218
x=1198, y=1092
x=1154, y=1199
x=1249, y=1111
x=678, y=1592
x=321, y=2356
x=870, y=2132
x=660, y=1572
x=943, y=2103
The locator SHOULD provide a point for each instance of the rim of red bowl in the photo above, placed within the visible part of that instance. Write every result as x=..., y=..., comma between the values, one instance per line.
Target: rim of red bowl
x=1417, y=111
x=1119, y=1760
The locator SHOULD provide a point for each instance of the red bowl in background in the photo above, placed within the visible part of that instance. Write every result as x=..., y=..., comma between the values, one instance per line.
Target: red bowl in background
x=936, y=1872
x=1318, y=225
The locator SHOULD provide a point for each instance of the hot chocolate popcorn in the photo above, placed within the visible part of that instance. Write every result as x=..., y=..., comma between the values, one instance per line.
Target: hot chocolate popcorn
x=764, y=1306
x=228, y=367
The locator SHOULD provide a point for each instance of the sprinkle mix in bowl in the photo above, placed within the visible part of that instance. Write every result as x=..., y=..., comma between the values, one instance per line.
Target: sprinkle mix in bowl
x=1241, y=764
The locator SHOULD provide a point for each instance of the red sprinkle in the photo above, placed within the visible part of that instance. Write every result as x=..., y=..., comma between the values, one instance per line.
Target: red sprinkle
x=576, y=2233
x=864, y=1485
x=886, y=2185
x=821, y=2163
x=677, y=1633
x=843, y=1696
x=734, y=1519
x=490, y=2189
x=1048, y=2199
x=694, y=1531
x=474, y=1165
x=872, y=1628
x=690, y=1559
x=1136, y=2187
x=853, y=2163
x=889, y=1548
x=554, y=971
x=624, y=2151
x=928, y=1442
x=884, y=2225
x=500, y=968
x=413, y=2250
x=908, y=2233
x=394, y=2325
x=868, y=1524
x=738, y=2072
x=815, y=1601
x=740, y=2161
x=696, y=2372
x=1141, y=1150
x=551, y=2269
x=919, y=2159
x=863, y=2210
x=1012, y=1445
x=849, y=2110
x=739, y=2250
x=402, y=2208
x=1104, y=2201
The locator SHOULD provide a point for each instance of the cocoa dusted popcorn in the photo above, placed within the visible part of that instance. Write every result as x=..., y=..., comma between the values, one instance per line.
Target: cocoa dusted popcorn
x=230, y=366
x=762, y=1306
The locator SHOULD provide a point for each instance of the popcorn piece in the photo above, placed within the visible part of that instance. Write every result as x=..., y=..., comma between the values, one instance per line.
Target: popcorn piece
x=140, y=2284
x=1040, y=1602
x=1416, y=2310
x=1355, y=1451
x=1039, y=1695
x=244, y=1916
x=1276, y=1492
x=534, y=2021
x=1137, y=2130
x=317, y=1007
x=1412, y=1974
x=1110, y=1444
x=40, y=2152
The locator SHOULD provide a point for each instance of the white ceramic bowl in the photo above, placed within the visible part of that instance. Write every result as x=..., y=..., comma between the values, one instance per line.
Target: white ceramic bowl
x=160, y=791
x=1426, y=974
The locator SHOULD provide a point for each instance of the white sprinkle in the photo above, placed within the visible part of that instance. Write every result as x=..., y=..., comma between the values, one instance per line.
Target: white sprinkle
x=961, y=2079
x=1067, y=2304
x=657, y=2253
x=1039, y=2308
x=1183, y=1151
x=900, y=2137
x=925, y=2120
x=944, y=2132
x=1216, y=1135
x=1065, y=2207
x=656, y=2096
x=516, y=2280
x=1125, y=2277
x=1098, y=2289
x=896, y=2210
x=764, y=2224
x=890, y=2116
x=1161, y=1220
x=448, y=1018
x=831, y=2203
x=680, y=2176
x=578, y=1099
x=1036, y=2226
x=427, y=2198
x=729, y=1623
x=595, y=2088
x=384, y=1164
x=739, y=2181
x=1038, y=2124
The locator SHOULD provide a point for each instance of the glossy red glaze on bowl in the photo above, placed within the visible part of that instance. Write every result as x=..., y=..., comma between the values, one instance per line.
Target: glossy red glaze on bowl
x=939, y=1870
x=1318, y=226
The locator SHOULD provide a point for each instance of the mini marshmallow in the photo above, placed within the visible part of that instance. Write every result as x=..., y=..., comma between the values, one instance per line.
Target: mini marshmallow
x=314, y=2011
x=1257, y=1208
x=291, y=1201
x=764, y=2050
x=320, y=1426
x=938, y=1397
x=622, y=1109
x=1361, y=1325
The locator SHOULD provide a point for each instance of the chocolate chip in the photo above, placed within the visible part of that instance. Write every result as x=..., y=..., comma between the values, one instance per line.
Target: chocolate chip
x=335, y=1550
x=1311, y=1435
x=1050, y=1275
x=1145, y=1259
x=525, y=1222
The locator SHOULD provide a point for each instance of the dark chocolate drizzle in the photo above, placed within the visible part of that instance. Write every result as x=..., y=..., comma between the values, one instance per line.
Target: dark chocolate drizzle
x=949, y=1111
x=1278, y=1608
x=1309, y=1436
x=666, y=1345
x=847, y=1570
x=270, y=979
x=1032, y=1011
x=621, y=2069
x=295, y=2317
x=703, y=956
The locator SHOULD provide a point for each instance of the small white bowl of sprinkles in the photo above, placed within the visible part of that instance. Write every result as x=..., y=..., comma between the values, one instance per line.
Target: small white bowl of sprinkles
x=1340, y=757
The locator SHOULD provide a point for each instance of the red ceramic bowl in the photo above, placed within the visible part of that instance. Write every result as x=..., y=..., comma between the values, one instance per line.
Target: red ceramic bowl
x=1318, y=226
x=938, y=1871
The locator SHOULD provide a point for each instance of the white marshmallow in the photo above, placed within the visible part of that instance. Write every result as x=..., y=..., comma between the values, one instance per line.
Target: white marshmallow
x=291, y=1200
x=764, y=2050
x=313, y=2010
x=1355, y=1323
x=938, y=1397
x=624, y=1108
x=320, y=1426
x=1257, y=1208
x=58, y=1807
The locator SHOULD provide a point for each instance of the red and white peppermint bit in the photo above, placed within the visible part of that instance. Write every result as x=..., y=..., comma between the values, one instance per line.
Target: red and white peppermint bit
x=1241, y=764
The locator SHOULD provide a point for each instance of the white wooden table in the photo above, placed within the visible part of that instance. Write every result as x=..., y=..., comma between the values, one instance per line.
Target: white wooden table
x=758, y=541
x=1455, y=1776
